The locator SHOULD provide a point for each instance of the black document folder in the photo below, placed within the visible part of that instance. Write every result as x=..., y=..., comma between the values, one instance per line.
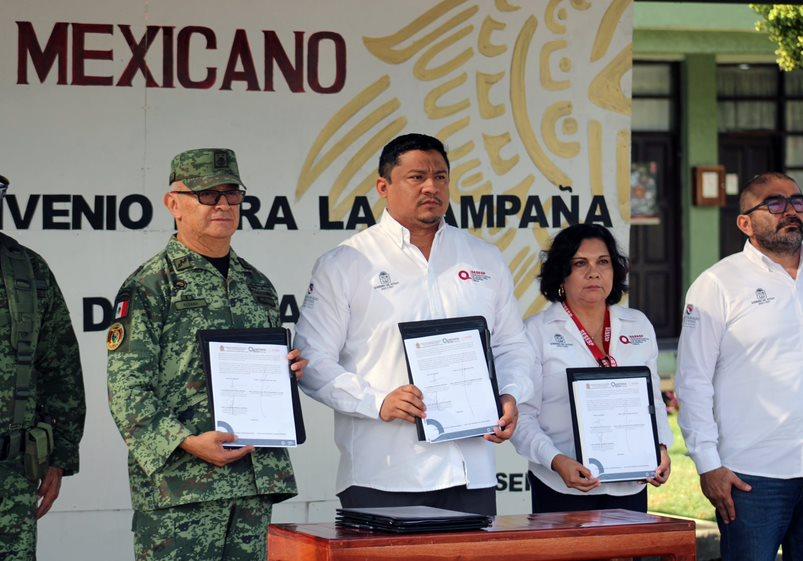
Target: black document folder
x=415, y=329
x=607, y=376
x=265, y=336
x=410, y=519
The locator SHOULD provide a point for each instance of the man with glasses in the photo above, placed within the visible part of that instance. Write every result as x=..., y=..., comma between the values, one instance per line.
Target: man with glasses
x=740, y=377
x=192, y=498
x=42, y=404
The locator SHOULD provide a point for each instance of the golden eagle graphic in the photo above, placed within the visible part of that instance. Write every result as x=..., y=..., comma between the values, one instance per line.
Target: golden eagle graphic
x=530, y=98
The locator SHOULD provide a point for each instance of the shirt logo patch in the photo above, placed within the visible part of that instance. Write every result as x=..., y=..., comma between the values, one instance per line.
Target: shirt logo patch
x=309, y=297
x=476, y=276
x=691, y=316
x=762, y=298
x=633, y=339
x=559, y=341
x=384, y=282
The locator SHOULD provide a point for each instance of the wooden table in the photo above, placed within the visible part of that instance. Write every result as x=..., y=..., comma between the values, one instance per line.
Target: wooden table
x=595, y=534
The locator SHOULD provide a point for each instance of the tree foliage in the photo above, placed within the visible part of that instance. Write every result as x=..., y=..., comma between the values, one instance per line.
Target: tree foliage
x=784, y=24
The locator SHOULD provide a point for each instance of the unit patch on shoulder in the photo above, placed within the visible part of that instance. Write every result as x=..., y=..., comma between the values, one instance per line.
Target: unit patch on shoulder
x=115, y=336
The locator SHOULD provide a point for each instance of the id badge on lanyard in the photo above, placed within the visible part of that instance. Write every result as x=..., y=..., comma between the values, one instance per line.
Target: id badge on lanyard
x=602, y=356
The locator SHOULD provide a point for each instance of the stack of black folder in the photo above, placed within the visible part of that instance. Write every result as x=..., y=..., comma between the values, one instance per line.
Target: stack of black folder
x=410, y=519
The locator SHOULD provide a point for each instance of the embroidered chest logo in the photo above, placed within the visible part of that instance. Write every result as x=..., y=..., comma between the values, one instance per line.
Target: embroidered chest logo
x=476, y=276
x=384, y=282
x=560, y=342
x=633, y=339
x=762, y=298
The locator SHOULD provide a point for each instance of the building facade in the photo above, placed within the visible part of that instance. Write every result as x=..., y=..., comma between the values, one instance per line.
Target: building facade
x=706, y=91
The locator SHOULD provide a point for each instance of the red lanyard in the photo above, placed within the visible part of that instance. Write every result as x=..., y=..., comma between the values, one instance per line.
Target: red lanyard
x=604, y=359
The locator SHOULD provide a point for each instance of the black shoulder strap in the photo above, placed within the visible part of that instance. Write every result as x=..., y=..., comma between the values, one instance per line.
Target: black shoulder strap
x=21, y=288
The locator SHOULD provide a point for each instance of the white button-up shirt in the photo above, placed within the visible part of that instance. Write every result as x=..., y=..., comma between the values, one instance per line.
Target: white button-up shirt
x=348, y=330
x=740, y=367
x=545, y=421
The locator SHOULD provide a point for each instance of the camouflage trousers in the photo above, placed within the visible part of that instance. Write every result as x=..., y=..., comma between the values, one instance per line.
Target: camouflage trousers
x=17, y=515
x=221, y=530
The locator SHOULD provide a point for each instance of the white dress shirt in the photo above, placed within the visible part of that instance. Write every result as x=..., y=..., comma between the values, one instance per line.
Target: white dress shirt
x=348, y=330
x=740, y=367
x=545, y=421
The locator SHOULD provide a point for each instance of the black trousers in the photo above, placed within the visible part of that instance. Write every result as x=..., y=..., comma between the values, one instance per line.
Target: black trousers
x=460, y=498
x=545, y=499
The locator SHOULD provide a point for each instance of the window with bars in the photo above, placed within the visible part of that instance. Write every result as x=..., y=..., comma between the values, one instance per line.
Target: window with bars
x=654, y=95
x=754, y=98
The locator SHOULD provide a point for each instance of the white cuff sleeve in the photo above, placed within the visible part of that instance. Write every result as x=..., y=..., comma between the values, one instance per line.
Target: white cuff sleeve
x=706, y=459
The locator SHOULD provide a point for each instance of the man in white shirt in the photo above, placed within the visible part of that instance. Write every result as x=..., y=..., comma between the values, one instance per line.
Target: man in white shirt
x=740, y=377
x=410, y=266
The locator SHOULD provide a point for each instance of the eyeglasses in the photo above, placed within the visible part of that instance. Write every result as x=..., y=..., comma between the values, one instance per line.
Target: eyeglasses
x=210, y=197
x=778, y=204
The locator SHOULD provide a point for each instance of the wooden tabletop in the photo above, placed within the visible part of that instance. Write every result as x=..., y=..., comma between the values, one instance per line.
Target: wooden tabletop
x=542, y=536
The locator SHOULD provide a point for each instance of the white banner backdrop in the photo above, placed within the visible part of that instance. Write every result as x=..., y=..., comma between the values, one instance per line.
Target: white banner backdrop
x=532, y=99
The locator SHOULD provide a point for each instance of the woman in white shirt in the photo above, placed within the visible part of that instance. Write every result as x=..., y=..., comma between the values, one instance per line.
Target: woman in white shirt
x=584, y=276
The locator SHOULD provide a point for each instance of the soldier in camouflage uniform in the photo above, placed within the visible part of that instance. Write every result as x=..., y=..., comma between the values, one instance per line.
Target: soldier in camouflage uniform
x=192, y=498
x=52, y=394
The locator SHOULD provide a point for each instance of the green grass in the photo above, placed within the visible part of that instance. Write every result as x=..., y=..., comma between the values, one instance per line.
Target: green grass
x=681, y=495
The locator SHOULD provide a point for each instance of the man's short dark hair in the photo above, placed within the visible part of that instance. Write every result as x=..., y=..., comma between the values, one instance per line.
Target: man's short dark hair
x=751, y=187
x=389, y=158
x=558, y=261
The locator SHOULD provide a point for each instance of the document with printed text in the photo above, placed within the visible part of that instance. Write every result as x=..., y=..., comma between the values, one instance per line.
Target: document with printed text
x=251, y=393
x=451, y=370
x=614, y=422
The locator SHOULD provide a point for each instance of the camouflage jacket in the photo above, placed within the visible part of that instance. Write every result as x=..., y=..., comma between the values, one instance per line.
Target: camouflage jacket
x=58, y=382
x=157, y=387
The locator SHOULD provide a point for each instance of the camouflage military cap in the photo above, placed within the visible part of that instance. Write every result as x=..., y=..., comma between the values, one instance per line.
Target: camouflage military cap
x=204, y=168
